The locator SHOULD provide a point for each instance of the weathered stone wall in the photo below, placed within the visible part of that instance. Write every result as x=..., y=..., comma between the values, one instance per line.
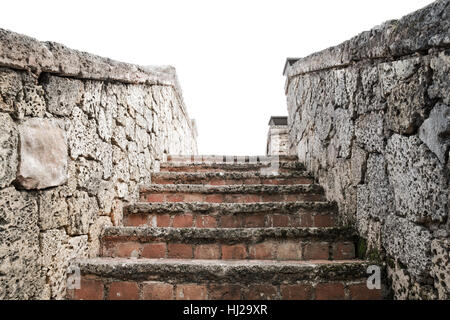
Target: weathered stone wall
x=371, y=120
x=78, y=135
x=277, y=140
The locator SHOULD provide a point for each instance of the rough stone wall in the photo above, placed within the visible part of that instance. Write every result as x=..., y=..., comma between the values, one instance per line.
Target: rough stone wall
x=371, y=120
x=78, y=135
x=277, y=140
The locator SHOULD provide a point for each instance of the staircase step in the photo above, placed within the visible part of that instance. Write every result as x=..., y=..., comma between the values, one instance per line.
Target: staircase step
x=228, y=159
x=265, y=167
x=168, y=279
x=232, y=193
x=230, y=215
x=230, y=178
x=232, y=243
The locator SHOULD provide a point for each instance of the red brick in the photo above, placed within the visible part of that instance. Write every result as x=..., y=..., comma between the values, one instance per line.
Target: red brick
x=135, y=220
x=323, y=220
x=360, y=291
x=214, y=198
x=296, y=292
x=174, y=197
x=190, y=292
x=123, y=290
x=264, y=250
x=179, y=251
x=230, y=221
x=316, y=251
x=217, y=182
x=154, y=250
x=280, y=220
x=272, y=197
x=193, y=197
x=343, y=251
x=156, y=197
x=157, y=291
x=90, y=289
x=254, y=221
x=306, y=220
x=163, y=220
x=251, y=181
x=207, y=251
x=183, y=221
x=206, y=222
x=236, y=251
x=289, y=251
x=224, y=292
x=127, y=249
x=330, y=291
x=261, y=292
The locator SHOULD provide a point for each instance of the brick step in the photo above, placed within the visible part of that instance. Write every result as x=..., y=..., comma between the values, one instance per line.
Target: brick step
x=230, y=178
x=168, y=279
x=228, y=159
x=231, y=215
x=232, y=243
x=265, y=167
x=231, y=193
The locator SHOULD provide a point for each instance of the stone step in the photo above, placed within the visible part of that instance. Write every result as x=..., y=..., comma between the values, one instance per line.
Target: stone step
x=263, y=167
x=168, y=279
x=230, y=178
x=228, y=159
x=231, y=193
x=232, y=243
x=230, y=215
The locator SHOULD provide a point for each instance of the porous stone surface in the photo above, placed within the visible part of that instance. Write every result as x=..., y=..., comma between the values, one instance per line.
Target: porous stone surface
x=79, y=134
x=233, y=271
x=43, y=154
x=369, y=118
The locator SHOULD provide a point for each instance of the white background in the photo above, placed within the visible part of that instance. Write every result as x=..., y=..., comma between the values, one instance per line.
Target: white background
x=229, y=55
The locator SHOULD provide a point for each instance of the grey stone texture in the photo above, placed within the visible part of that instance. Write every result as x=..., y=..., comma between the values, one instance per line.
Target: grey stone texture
x=79, y=134
x=370, y=120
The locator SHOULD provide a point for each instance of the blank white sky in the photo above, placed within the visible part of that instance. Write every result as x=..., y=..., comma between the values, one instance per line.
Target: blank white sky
x=229, y=55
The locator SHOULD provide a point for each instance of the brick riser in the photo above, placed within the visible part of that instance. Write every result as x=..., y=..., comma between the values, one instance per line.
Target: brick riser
x=97, y=288
x=253, y=220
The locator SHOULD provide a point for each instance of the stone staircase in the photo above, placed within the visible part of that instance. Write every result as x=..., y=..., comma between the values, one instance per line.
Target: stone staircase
x=210, y=229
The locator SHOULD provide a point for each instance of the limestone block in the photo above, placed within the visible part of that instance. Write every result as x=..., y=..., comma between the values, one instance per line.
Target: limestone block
x=8, y=150
x=418, y=178
x=105, y=196
x=10, y=89
x=43, y=154
x=440, y=270
x=53, y=209
x=358, y=164
x=368, y=94
x=440, y=87
x=95, y=231
x=82, y=135
x=20, y=259
x=92, y=97
x=31, y=100
x=435, y=131
x=58, y=250
x=408, y=242
x=82, y=212
x=62, y=94
x=405, y=85
x=344, y=132
x=369, y=130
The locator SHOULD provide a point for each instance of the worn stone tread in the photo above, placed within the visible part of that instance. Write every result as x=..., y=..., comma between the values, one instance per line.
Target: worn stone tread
x=227, y=235
x=230, y=271
x=234, y=189
x=208, y=207
x=227, y=166
x=225, y=158
x=189, y=177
